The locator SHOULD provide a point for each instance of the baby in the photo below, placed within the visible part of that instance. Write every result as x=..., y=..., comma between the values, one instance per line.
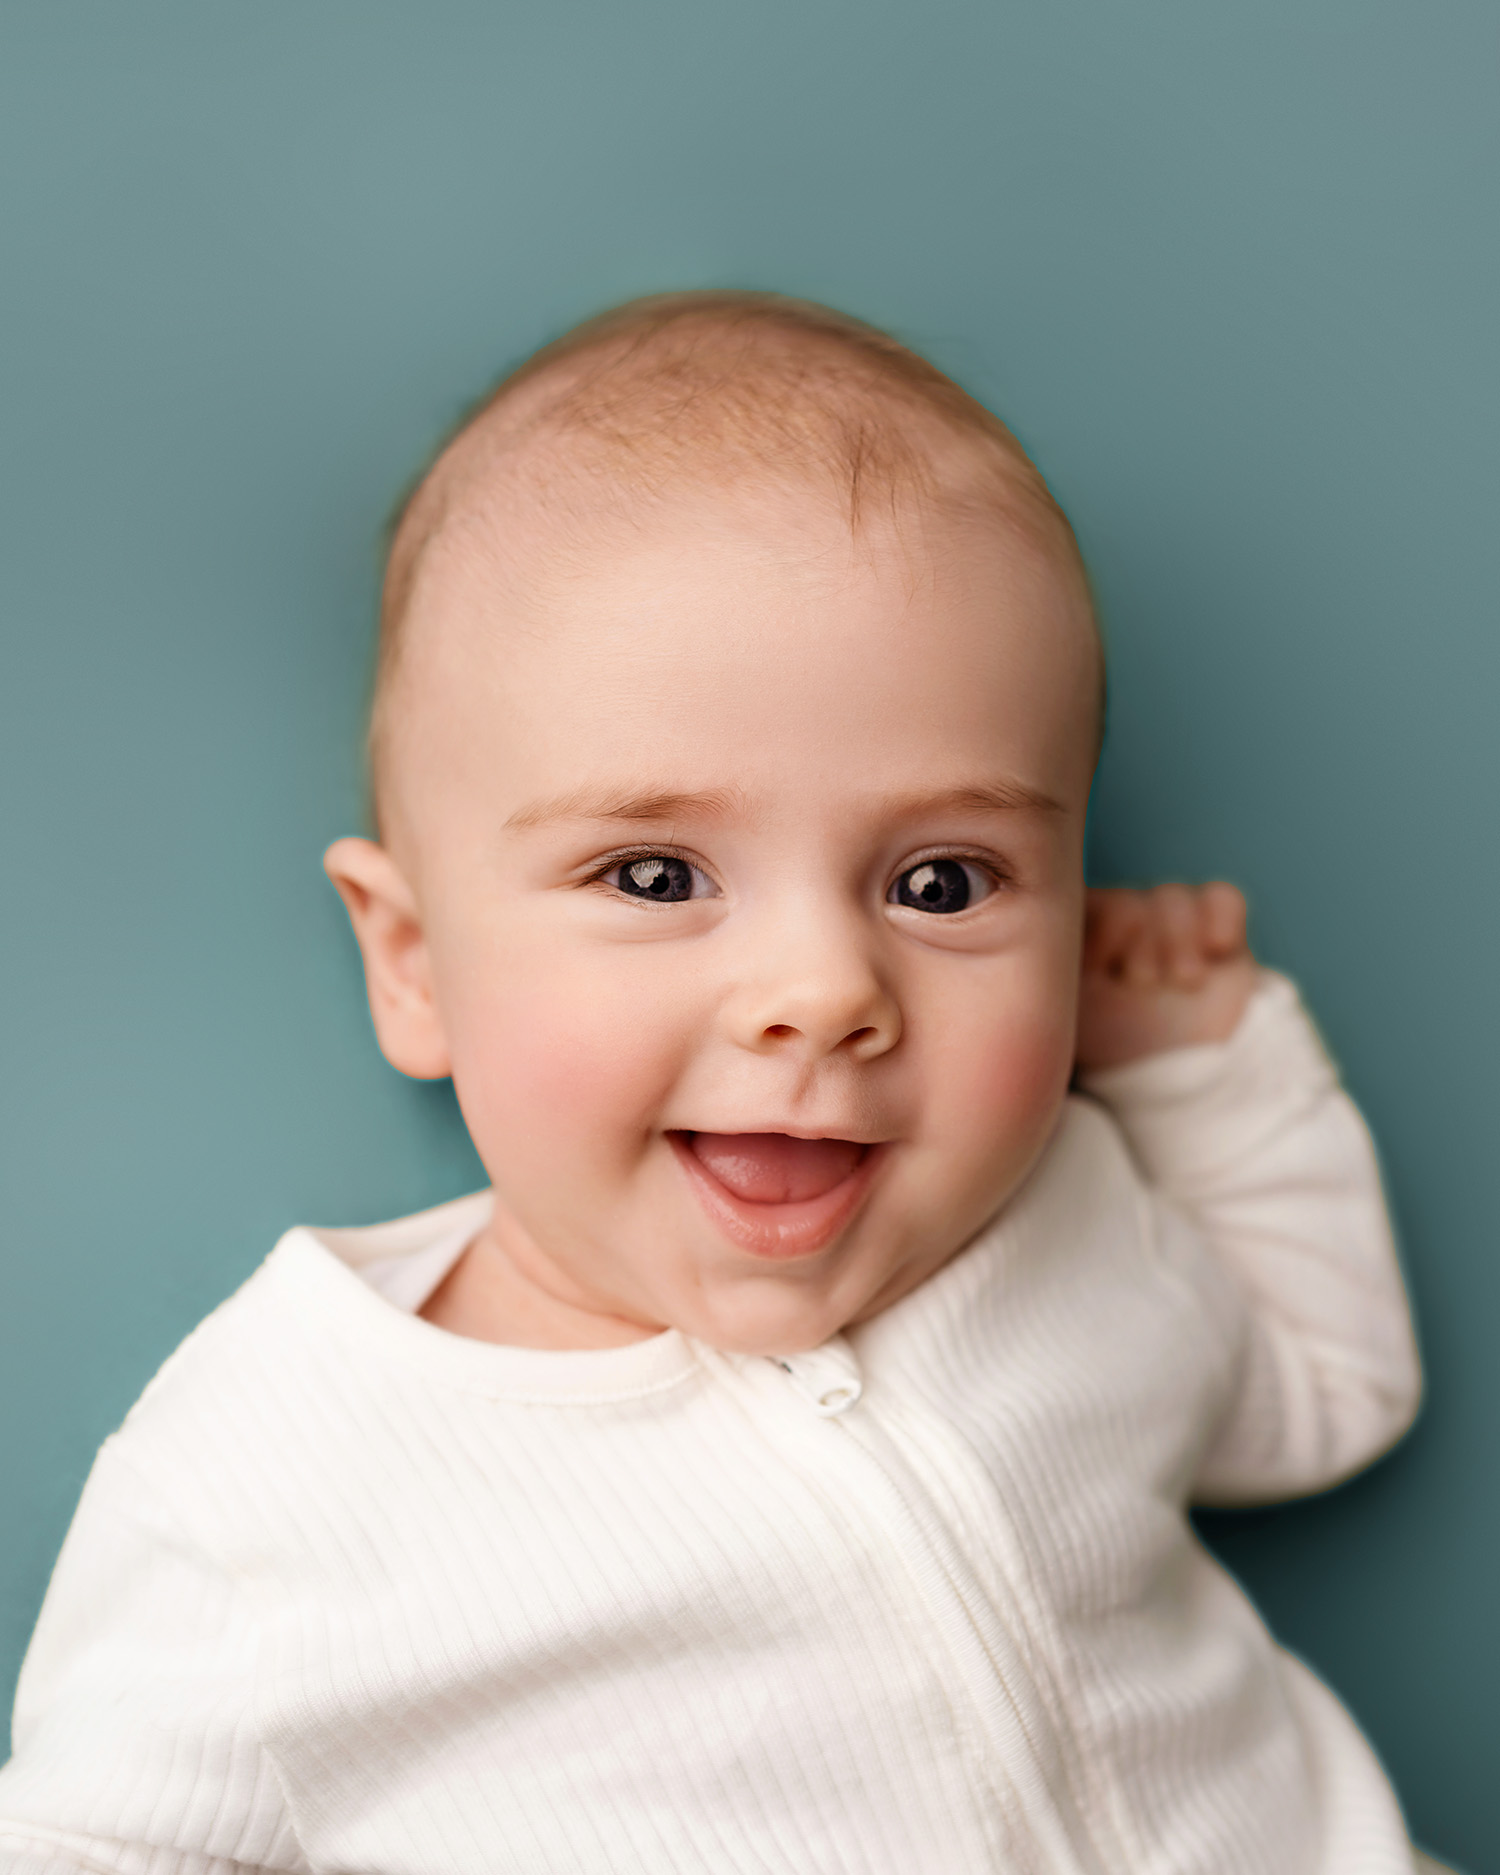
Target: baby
x=786, y=1464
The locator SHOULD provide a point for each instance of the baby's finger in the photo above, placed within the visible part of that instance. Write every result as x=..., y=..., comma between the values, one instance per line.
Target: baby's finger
x=1113, y=921
x=1221, y=916
x=1138, y=964
x=1174, y=916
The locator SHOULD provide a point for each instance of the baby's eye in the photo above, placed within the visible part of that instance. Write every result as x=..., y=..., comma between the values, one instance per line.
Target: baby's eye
x=660, y=876
x=941, y=885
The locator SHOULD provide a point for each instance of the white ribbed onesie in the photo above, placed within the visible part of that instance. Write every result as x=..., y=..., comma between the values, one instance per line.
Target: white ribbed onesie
x=349, y=1593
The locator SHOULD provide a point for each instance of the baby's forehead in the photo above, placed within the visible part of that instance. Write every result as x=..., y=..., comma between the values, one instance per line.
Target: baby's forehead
x=517, y=572
x=724, y=605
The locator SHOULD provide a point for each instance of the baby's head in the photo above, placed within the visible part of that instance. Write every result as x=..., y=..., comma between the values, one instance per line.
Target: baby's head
x=738, y=701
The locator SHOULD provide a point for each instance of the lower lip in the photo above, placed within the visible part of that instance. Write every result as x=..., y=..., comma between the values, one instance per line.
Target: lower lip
x=778, y=1232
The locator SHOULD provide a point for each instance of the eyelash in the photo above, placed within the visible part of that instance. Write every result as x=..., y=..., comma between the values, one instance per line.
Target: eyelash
x=989, y=863
x=629, y=855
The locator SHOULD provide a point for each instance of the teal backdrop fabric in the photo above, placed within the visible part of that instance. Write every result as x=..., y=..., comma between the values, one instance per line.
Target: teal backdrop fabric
x=1230, y=271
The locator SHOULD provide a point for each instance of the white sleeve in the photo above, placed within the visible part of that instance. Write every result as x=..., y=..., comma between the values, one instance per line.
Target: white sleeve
x=135, y=1745
x=1256, y=1144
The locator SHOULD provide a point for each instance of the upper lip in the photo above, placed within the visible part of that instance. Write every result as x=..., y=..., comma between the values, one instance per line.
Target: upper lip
x=853, y=1136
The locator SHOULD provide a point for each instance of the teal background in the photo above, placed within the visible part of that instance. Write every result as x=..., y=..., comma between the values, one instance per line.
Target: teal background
x=1230, y=271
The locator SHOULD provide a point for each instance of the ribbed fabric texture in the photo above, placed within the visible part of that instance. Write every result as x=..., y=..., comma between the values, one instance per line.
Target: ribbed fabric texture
x=349, y=1593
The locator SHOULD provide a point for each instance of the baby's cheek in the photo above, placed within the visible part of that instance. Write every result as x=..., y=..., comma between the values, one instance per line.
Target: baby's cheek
x=1014, y=1074
x=553, y=1070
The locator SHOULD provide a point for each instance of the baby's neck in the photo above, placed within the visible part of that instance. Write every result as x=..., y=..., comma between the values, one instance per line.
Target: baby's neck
x=495, y=1293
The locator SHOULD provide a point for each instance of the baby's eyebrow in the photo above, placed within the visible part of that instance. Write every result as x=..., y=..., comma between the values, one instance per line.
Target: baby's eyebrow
x=618, y=804
x=999, y=797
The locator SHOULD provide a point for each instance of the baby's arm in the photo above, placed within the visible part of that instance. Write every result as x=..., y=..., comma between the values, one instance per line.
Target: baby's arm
x=1235, y=1114
x=135, y=1750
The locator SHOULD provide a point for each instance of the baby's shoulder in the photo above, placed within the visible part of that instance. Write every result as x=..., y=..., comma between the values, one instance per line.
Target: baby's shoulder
x=1080, y=1219
x=1090, y=1226
x=1085, y=1176
x=246, y=1393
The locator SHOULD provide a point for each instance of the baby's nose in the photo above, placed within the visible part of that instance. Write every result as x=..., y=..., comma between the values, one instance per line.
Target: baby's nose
x=817, y=991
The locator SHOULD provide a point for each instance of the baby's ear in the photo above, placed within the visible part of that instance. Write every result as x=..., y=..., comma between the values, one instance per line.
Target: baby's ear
x=398, y=977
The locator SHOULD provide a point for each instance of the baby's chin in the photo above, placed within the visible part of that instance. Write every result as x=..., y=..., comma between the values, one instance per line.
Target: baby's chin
x=770, y=1312
x=779, y=1332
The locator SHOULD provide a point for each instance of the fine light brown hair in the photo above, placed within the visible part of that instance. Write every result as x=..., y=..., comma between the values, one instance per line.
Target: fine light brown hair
x=719, y=387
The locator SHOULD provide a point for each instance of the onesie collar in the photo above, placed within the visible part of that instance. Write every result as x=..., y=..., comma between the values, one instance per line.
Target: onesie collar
x=363, y=1285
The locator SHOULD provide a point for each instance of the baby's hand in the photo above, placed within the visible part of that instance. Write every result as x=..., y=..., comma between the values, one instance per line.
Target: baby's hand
x=1161, y=969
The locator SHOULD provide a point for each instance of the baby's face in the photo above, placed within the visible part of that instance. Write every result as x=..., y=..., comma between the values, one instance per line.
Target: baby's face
x=747, y=864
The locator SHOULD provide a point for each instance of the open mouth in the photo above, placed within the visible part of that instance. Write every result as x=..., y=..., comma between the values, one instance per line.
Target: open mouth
x=772, y=1194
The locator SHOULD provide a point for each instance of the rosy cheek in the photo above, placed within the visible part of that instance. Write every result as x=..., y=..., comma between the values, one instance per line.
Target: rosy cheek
x=558, y=1068
x=1016, y=1071
x=1025, y=1074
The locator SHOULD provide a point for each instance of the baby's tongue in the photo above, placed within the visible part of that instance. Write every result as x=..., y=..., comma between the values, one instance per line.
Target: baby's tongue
x=773, y=1168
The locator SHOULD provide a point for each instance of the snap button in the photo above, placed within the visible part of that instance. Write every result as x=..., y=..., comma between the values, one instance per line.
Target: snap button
x=828, y=1378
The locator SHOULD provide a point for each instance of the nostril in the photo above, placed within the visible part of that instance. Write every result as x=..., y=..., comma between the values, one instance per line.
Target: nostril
x=779, y=1029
